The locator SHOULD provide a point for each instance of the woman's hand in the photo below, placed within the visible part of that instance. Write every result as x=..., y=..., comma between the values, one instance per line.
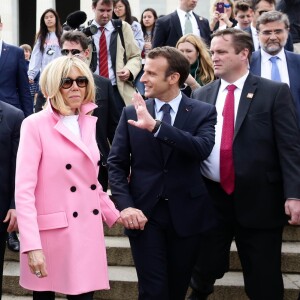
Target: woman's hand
x=224, y=17
x=12, y=219
x=191, y=82
x=37, y=263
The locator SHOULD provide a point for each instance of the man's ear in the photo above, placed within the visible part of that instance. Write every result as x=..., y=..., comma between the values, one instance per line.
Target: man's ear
x=174, y=78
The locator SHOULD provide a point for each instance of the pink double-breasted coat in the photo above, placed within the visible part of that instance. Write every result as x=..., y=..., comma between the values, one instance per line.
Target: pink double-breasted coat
x=60, y=204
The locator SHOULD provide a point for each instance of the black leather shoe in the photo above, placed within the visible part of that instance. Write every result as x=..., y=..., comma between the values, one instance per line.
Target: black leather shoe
x=196, y=296
x=13, y=243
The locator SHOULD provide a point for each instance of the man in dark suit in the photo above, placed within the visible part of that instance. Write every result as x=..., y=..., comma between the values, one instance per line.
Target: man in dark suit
x=76, y=43
x=10, y=123
x=154, y=174
x=170, y=28
x=14, y=85
x=273, y=28
x=252, y=173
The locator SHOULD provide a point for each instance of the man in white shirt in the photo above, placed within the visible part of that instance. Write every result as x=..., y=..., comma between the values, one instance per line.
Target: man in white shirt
x=252, y=173
x=170, y=28
x=273, y=29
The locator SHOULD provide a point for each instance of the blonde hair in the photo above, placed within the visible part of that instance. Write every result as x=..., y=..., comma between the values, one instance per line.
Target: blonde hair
x=214, y=5
x=26, y=47
x=205, y=71
x=52, y=75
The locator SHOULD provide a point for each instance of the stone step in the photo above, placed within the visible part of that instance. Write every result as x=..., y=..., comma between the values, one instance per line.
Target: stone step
x=119, y=254
x=123, y=282
x=290, y=233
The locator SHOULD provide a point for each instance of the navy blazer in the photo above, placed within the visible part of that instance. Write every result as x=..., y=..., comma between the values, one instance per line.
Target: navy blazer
x=143, y=168
x=14, y=84
x=10, y=123
x=168, y=30
x=293, y=66
x=266, y=151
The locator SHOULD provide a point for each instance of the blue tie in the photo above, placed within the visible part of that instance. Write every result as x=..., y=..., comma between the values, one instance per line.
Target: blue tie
x=166, y=113
x=275, y=75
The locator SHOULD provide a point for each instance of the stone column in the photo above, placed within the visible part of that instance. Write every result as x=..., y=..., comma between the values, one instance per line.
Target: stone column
x=10, y=20
x=41, y=6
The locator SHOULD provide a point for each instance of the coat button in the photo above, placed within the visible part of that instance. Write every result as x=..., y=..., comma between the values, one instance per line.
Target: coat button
x=99, y=163
x=73, y=189
x=95, y=211
x=93, y=187
x=75, y=214
x=68, y=166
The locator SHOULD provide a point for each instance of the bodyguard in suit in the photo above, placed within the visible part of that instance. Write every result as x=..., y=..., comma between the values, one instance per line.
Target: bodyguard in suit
x=273, y=29
x=14, y=85
x=252, y=173
x=10, y=123
x=170, y=28
x=154, y=173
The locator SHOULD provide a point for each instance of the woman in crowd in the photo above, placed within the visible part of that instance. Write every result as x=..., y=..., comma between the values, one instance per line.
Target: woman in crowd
x=47, y=45
x=122, y=11
x=148, y=19
x=201, y=66
x=60, y=204
x=222, y=20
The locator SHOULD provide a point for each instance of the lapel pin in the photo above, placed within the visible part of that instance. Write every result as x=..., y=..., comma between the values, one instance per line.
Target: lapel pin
x=250, y=95
x=200, y=18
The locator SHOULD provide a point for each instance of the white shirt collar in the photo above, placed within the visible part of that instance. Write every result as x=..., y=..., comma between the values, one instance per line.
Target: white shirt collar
x=174, y=103
x=181, y=13
x=266, y=56
x=239, y=83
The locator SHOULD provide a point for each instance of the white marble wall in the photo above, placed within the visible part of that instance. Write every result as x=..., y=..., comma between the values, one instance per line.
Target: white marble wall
x=9, y=12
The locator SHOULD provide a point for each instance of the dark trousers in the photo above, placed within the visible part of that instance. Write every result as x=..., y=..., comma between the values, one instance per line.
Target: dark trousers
x=120, y=104
x=2, y=252
x=259, y=251
x=51, y=296
x=164, y=261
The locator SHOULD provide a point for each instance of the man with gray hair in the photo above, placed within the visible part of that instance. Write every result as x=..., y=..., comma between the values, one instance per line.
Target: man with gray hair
x=272, y=61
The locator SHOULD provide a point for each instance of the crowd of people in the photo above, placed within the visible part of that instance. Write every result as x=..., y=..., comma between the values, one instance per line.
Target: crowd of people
x=192, y=123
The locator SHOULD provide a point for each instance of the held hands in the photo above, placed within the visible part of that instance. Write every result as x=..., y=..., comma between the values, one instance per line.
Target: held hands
x=133, y=218
x=37, y=263
x=11, y=217
x=144, y=119
x=292, y=209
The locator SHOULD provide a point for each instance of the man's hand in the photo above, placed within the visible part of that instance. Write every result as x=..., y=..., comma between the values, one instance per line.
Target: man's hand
x=11, y=217
x=144, y=119
x=123, y=74
x=292, y=209
x=133, y=218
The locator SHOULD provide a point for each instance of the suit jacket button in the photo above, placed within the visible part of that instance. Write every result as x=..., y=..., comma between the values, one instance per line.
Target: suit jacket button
x=73, y=189
x=95, y=211
x=93, y=187
x=68, y=166
x=75, y=214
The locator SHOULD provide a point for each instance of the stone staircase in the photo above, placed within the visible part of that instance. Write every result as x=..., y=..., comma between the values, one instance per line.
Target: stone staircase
x=123, y=279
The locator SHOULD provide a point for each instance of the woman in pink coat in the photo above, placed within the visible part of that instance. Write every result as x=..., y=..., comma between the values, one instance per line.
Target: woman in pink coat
x=60, y=204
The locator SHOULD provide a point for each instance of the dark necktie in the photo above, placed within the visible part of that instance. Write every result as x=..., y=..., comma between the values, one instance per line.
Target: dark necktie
x=103, y=56
x=275, y=75
x=166, y=113
x=226, y=154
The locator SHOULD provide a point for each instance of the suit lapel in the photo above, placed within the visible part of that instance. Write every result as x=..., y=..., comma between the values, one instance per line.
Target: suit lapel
x=113, y=49
x=4, y=55
x=247, y=96
x=255, y=65
x=212, y=92
x=176, y=23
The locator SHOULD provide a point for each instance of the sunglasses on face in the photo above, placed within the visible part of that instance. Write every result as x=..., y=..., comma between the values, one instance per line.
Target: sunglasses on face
x=227, y=5
x=81, y=82
x=67, y=51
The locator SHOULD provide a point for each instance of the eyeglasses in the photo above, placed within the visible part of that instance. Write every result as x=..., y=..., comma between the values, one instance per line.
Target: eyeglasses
x=262, y=11
x=227, y=5
x=268, y=33
x=67, y=51
x=81, y=82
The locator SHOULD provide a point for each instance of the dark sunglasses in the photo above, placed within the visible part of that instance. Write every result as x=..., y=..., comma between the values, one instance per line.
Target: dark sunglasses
x=81, y=82
x=67, y=51
x=227, y=5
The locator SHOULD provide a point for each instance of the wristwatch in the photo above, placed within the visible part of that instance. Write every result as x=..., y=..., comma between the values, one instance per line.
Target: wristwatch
x=157, y=125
